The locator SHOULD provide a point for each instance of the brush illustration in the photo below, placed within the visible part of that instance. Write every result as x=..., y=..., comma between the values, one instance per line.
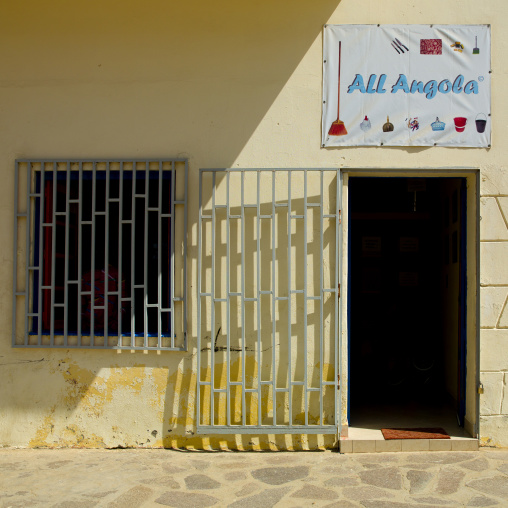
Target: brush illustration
x=338, y=128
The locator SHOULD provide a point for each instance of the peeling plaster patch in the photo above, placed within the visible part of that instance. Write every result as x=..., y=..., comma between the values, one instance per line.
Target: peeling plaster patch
x=91, y=397
x=42, y=434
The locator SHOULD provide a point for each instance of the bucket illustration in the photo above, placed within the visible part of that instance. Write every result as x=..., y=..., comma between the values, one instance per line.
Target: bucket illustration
x=438, y=125
x=460, y=123
x=481, y=122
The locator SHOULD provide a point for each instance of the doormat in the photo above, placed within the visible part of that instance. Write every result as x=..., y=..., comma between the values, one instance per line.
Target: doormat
x=416, y=433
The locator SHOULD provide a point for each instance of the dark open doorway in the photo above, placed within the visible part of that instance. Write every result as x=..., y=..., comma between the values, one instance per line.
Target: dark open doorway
x=407, y=301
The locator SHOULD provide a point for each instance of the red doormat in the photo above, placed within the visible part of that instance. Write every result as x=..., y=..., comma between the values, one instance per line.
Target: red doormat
x=416, y=433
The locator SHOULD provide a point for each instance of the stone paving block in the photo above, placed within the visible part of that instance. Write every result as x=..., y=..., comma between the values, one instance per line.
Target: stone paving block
x=314, y=492
x=234, y=465
x=235, y=476
x=69, y=504
x=172, y=469
x=186, y=500
x=280, y=475
x=247, y=489
x=388, y=478
x=495, y=486
x=341, y=504
x=101, y=494
x=377, y=458
x=365, y=492
x=58, y=463
x=418, y=480
x=201, y=482
x=132, y=498
x=503, y=468
x=266, y=499
x=480, y=464
x=449, y=480
x=165, y=481
x=482, y=501
x=440, y=457
x=437, y=501
x=341, y=481
x=393, y=504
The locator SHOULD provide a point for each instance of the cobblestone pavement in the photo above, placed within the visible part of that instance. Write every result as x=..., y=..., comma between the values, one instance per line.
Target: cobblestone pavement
x=131, y=478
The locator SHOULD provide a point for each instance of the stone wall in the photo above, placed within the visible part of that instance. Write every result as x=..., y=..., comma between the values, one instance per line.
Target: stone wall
x=494, y=310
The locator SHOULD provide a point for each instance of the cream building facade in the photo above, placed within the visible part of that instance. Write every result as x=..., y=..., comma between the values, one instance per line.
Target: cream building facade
x=260, y=336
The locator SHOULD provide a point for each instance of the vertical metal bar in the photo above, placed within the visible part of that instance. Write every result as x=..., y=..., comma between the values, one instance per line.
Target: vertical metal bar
x=53, y=257
x=212, y=310
x=321, y=293
x=337, y=338
x=172, y=240
x=41, y=248
x=92, y=268
x=145, y=260
x=186, y=186
x=228, y=305
x=290, y=384
x=244, y=406
x=66, y=275
x=198, y=327
x=120, y=250
x=80, y=248
x=258, y=284
x=159, y=260
x=106, y=258
x=15, y=255
x=133, y=253
x=305, y=388
x=274, y=372
x=28, y=262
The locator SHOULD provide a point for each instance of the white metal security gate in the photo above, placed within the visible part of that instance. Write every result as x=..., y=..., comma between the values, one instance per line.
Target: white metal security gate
x=268, y=301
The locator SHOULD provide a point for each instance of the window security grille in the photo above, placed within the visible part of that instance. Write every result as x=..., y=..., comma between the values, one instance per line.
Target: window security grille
x=100, y=254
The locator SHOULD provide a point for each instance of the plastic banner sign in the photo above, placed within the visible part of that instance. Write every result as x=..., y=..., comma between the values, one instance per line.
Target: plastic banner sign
x=406, y=85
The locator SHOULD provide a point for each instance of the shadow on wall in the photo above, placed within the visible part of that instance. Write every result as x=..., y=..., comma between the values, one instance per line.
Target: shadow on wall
x=134, y=79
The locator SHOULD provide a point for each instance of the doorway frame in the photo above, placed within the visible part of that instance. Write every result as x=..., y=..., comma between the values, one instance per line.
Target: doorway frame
x=472, y=225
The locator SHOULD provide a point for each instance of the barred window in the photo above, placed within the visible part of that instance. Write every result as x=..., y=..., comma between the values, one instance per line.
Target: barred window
x=100, y=254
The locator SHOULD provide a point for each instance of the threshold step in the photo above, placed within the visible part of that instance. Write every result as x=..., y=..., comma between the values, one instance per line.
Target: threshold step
x=351, y=445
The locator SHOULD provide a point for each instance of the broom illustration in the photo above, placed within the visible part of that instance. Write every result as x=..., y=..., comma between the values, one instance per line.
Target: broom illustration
x=338, y=128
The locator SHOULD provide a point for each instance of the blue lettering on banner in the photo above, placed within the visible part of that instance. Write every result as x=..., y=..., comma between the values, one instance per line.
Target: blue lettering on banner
x=401, y=84
x=357, y=84
x=430, y=89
